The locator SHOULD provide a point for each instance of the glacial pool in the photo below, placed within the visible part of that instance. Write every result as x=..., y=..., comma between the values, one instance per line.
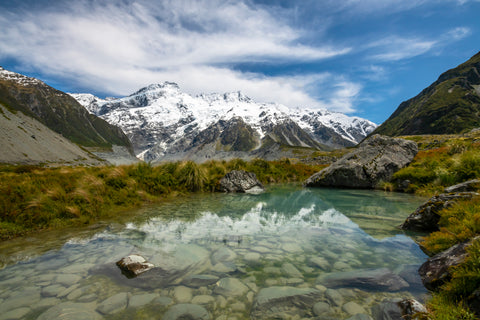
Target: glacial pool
x=289, y=253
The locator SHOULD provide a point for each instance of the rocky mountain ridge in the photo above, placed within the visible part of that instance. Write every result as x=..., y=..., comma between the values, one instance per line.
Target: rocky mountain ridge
x=58, y=111
x=24, y=96
x=165, y=123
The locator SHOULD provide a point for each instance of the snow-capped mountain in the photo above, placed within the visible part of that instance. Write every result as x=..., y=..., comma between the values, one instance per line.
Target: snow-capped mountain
x=165, y=123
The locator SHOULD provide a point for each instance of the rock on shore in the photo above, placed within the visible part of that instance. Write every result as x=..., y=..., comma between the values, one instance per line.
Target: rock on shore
x=374, y=160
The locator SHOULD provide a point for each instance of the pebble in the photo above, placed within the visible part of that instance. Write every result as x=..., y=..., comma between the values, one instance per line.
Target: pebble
x=53, y=290
x=113, y=304
x=203, y=299
x=320, y=262
x=230, y=287
x=334, y=296
x=321, y=308
x=140, y=300
x=182, y=294
x=15, y=314
x=186, y=311
x=67, y=279
x=252, y=257
x=291, y=271
x=352, y=308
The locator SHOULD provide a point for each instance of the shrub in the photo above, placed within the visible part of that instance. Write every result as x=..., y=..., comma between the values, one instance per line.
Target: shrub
x=191, y=176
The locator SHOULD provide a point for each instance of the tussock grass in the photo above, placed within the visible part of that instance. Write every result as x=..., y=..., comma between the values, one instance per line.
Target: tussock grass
x=442, y=161
x=33, y=198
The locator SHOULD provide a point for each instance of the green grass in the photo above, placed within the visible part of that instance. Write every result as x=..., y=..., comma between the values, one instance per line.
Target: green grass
x=33, y=198
x=442, y=161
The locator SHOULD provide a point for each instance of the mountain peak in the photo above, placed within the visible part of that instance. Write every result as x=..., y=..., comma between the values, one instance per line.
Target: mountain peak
x=155, y=87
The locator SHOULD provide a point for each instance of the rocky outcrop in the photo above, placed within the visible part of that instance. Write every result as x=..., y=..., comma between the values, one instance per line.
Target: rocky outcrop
x=426, y=217
x=240, y=181
x=435, y=271
x=376, y=159
x=133, y=265
x=371, y=279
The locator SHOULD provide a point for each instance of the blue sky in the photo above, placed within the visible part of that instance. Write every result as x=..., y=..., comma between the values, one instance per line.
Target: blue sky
x=360, y=57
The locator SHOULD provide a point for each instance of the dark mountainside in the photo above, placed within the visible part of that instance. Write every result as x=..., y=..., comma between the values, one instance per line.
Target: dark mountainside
x=58, y=111
x=450, y=105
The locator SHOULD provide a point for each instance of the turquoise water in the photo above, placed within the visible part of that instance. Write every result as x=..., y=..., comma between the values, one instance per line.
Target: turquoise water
x=278, y=255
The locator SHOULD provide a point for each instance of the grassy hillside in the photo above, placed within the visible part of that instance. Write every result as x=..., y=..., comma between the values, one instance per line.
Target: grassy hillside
x=450, y=105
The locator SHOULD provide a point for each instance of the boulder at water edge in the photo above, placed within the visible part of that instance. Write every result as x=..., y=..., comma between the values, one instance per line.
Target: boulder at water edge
x=436, y=270
x=374, y=160
x=240, y=181
x=426, y=217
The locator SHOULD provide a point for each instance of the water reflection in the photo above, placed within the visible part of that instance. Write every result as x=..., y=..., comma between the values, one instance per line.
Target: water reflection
x=234, y=247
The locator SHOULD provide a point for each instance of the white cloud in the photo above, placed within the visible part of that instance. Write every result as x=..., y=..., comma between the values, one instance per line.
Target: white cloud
x=395, y=48
x=118, y=48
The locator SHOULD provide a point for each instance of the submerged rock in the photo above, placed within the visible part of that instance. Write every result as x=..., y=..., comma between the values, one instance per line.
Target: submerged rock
x=186, y=311
x=133, y=265
x=426, y=217
x=240, y=181
x=275, y=302
x=230, y=287
x=374, y=160
x=435, y=271
x=199, y=280
x=69, y=311
x=113, y=304
x=369, y=279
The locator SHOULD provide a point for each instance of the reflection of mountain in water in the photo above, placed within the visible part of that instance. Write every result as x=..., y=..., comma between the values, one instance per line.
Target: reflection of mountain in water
x=282, y=211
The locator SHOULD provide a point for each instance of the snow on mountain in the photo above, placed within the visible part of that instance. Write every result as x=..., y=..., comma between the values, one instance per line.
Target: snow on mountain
x=19, y=78
x=165, y=123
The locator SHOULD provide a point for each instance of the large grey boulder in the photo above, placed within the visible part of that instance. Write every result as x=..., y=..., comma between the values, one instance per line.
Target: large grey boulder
x=240, y=181
x=376, y=159
x=436, y=270
x=426, y=217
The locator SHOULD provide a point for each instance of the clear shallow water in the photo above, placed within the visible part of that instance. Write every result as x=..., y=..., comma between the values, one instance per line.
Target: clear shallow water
x=278, y=254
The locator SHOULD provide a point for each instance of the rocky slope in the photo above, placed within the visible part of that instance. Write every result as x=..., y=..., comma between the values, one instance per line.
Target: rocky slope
x=27, y=141
x=58, y=111
x=450, y=105
x=165, y=123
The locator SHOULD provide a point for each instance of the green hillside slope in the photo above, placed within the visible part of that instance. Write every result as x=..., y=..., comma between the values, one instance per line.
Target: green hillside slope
x=450, y=105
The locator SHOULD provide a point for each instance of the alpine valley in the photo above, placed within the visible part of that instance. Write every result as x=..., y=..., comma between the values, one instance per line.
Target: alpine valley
x=166, y=124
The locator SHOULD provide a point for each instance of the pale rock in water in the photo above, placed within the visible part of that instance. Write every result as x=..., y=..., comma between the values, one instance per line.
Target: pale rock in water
x=133, y=265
